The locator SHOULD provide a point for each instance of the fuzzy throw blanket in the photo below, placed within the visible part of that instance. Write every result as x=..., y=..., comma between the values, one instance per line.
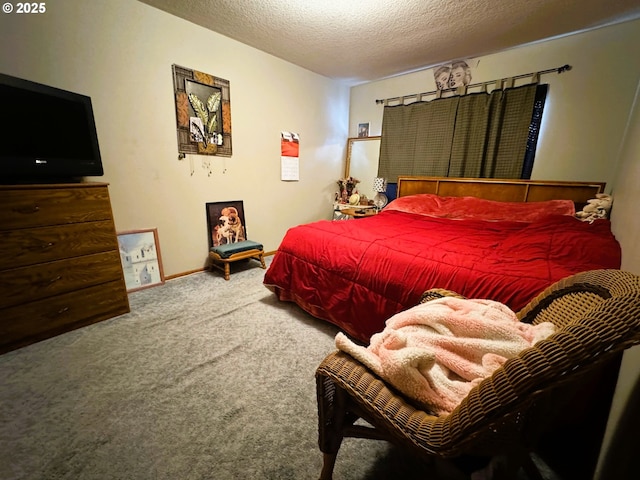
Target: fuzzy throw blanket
x=436, y=352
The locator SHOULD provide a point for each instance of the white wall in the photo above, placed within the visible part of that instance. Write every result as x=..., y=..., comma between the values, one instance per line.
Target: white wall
x=586, y=109
x=120, y=53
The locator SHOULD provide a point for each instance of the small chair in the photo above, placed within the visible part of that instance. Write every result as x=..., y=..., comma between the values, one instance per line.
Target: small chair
x=223, y=255
x=553, y=399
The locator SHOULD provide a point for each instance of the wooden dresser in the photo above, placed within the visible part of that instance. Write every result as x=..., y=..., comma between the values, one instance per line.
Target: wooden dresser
x=59, y=261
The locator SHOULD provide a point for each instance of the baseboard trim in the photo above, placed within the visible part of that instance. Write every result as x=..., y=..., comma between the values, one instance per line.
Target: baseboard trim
x=183, y=274
x=198, y=270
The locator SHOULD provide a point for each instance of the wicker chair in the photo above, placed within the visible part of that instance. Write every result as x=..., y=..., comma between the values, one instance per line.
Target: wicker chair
x=552, y=399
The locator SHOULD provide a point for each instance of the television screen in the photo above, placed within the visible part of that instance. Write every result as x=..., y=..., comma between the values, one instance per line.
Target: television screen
x=47, y=133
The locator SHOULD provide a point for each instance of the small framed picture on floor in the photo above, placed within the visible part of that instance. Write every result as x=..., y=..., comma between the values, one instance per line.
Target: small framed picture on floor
x=141, y=259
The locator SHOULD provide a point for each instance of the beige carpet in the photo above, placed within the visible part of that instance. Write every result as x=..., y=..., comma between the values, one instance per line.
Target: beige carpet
x=204, y=379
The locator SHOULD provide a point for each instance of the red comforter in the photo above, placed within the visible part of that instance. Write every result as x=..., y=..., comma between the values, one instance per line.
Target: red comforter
x=356, y=274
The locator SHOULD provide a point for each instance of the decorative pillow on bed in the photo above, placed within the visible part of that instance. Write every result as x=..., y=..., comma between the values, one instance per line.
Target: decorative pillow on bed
x=480, y=209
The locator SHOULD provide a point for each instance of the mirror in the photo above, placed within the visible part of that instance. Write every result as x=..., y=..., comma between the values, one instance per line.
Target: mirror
x=362, y=162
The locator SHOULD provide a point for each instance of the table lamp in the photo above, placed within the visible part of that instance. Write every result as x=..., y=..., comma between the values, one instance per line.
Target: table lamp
x=380, y=187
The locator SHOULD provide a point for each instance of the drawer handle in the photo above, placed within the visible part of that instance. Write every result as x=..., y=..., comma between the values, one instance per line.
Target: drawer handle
x=32, y=209
x=42, y=246
x=46, y=283
x=63, y=310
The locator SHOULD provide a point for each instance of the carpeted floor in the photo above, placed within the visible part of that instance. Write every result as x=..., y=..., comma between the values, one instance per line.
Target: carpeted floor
x=204, y=379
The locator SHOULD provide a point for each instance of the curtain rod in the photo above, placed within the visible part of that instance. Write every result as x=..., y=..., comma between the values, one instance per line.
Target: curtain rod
x=564, y=68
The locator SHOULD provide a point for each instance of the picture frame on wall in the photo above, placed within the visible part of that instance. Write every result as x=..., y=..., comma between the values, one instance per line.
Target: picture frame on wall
x=363, y=130
x=203, y=112
x=141, y=259
x=226, y=222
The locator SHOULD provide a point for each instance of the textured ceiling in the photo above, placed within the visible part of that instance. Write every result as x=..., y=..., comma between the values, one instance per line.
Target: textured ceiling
x=364, y=40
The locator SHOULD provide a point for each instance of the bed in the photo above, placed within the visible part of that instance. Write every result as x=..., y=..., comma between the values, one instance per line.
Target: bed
x=506, y=240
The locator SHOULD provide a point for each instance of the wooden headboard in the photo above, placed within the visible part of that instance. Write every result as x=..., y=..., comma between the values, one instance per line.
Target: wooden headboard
x=501, y=189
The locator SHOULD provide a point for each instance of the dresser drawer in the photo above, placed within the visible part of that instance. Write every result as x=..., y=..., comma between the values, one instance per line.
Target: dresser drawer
x=28, y=323
x=31, y=246
x=26, y=284
x=53, y=206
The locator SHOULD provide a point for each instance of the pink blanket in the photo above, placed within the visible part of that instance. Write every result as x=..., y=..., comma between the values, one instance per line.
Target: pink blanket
x=438, y=351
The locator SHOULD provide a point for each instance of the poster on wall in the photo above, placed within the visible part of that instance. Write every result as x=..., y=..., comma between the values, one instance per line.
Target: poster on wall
x=289, y=156
x=453, y=75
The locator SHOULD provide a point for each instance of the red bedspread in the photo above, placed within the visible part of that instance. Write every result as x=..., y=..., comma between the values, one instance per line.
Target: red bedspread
x=356, y=274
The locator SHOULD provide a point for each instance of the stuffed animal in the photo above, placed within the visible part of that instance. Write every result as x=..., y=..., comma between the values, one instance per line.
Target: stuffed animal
x=595, y=208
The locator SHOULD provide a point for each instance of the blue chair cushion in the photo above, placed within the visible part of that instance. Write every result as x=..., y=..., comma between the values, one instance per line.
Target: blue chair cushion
x=228, y=249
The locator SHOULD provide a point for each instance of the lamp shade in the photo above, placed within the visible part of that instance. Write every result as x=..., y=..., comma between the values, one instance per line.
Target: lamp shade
x=379, y=184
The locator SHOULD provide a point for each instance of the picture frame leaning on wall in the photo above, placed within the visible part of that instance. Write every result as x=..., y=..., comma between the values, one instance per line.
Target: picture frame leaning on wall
x=141, y=259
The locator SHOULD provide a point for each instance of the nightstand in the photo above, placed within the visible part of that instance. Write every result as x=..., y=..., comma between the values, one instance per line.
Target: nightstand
x=360, y=211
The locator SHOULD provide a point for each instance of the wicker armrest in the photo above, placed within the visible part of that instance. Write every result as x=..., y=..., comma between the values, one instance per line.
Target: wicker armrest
x=435, y=293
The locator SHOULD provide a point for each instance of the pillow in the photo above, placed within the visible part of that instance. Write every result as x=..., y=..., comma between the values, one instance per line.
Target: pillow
x=479, y=208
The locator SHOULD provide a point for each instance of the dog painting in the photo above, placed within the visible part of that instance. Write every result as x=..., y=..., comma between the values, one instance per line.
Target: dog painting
x=225, y=222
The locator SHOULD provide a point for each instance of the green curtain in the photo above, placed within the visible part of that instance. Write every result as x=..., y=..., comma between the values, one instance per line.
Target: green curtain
x=478, y=135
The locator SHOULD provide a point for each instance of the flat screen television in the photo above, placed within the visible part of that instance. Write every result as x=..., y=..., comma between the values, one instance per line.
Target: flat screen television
x=48, y=134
